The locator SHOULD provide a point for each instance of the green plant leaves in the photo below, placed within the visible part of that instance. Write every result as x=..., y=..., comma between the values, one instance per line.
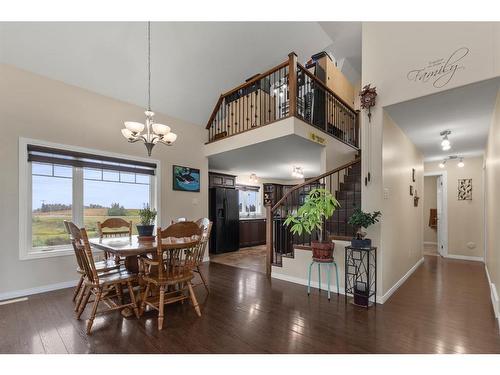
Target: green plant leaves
x=362, y=219
x=318, y=206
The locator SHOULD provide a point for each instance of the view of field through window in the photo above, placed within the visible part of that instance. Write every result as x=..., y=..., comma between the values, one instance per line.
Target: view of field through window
x=105, y=194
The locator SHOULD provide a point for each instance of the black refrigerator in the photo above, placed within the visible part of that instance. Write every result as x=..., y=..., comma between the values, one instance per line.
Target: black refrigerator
x=224, y=213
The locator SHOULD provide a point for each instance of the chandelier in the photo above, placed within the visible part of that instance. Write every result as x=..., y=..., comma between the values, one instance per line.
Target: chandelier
x=150, y=133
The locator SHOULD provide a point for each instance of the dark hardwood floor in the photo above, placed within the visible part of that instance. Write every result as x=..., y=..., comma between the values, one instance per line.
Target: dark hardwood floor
x=444, y=307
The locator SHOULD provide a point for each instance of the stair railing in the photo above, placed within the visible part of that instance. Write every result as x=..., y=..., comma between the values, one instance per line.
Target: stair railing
x=343, y=182
x=286, y=90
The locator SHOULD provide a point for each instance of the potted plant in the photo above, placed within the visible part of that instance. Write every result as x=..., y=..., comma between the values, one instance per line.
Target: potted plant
x=147, y=217
x=318, y=206
x=360, y=220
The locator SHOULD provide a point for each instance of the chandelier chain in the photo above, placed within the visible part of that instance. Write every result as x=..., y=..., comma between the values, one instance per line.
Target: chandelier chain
x=149, y=65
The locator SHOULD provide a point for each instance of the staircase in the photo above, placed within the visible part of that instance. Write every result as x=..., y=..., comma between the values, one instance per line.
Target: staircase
x=349, y=197
x=343, y=182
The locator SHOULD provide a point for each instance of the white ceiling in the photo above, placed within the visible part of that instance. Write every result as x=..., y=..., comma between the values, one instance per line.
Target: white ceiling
x=192, y=63
x=271, y=159
x=466, y=111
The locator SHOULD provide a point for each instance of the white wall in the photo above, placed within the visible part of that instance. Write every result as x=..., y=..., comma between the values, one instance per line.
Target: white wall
x=465, y=217
x=402, y=230
x=36, y=107
x=492, y=182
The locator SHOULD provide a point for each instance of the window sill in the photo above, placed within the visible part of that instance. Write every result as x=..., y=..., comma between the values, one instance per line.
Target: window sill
x=41, y=254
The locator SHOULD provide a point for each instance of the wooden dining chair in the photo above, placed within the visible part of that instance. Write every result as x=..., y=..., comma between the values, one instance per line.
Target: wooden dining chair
x=103, y=266
x=114, y=227
x=170, y=270
x=105, y=287
x=206, y=225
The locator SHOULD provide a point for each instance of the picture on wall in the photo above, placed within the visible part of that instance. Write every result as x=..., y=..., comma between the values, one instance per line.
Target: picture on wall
x=186, y=179
x=464, y=189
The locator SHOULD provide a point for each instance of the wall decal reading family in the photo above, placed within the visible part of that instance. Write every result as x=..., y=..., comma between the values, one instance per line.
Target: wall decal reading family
x=441, y=71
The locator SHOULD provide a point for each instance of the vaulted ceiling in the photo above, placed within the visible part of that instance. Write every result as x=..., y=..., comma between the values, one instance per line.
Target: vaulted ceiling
x=192, y=63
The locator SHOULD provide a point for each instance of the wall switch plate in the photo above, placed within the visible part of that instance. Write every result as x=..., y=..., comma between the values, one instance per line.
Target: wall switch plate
x=386, y=193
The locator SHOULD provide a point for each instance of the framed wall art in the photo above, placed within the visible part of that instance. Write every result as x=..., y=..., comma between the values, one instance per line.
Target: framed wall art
x=185, y=178
x=465, y=189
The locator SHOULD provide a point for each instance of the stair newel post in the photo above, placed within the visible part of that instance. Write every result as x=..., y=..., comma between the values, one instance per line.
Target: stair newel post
x=292, y=83
x=269, y=237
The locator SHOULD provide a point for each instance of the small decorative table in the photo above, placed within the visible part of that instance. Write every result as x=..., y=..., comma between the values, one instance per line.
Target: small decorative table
x=361, y=275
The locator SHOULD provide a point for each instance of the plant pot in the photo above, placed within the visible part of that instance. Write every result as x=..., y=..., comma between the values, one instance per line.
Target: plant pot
x=145, y=230
x=322, y=251
x=361, y=293
x=364, y=243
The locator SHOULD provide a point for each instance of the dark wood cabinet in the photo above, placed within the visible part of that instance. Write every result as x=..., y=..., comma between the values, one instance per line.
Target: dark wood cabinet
x=252, y=232
x=221, y=180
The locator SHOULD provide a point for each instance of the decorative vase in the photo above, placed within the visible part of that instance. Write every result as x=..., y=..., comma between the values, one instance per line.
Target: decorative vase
x=361, y=243
x=322, y=251
x=145, y=230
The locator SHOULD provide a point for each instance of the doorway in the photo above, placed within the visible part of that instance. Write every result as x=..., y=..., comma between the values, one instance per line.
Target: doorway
x=435, y=214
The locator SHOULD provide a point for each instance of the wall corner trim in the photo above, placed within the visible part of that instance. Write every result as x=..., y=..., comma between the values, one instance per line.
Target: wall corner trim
x=400, y=282
x=495, y=302
x=36, y=290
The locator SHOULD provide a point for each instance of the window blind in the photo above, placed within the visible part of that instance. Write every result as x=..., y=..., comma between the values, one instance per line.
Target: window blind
x=44, y=154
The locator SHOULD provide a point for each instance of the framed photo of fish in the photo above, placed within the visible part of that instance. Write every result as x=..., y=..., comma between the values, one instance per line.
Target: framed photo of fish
x=465, y=189
x=185, y=178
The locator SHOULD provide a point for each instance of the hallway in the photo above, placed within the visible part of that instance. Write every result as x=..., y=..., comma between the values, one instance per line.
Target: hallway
x=444, y=307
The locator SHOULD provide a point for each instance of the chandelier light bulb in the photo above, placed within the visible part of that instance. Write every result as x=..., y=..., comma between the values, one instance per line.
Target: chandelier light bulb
x=135, y=127
x=170, y=138
x=161, y=129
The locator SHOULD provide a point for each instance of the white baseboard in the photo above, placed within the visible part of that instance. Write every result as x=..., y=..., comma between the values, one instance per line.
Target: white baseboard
x=495, y=301
x=430, y=243
x=298, y=280
x=400, y=282
x=37, y=290
x=464, y=257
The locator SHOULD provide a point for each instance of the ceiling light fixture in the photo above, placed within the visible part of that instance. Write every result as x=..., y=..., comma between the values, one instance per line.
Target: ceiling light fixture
x=445, y=143
x=461, y=163
x=297, y=172
x=154, y=133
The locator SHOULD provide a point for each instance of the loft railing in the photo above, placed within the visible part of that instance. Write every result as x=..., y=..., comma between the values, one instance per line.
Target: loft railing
x=259, y=101
x=286, y=90
x=322, y=108
x=343, y=182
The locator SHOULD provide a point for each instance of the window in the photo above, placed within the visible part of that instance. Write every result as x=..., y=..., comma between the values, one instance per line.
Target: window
x=249, y=200
x=58, y=184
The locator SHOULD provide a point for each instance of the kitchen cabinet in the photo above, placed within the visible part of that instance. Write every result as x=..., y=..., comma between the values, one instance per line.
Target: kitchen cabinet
x=221, y=180
x=252, y=232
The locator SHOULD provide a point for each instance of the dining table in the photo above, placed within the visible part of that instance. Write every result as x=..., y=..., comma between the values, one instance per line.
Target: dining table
x=130, y=249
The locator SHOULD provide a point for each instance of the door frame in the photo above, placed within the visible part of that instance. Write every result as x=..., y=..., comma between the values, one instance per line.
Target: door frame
x=443, y=223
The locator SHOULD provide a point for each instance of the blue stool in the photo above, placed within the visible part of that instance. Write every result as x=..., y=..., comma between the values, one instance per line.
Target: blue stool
x=328, y=264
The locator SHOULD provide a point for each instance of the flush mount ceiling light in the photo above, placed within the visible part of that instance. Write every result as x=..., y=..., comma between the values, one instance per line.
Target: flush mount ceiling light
x=154, y=133
x=253, y=177
x=445, y=143
x=297, y=172
x=461, y=163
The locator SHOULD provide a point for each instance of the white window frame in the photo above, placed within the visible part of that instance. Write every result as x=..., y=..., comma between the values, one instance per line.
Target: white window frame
x=26, y=251
x=259, y=205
